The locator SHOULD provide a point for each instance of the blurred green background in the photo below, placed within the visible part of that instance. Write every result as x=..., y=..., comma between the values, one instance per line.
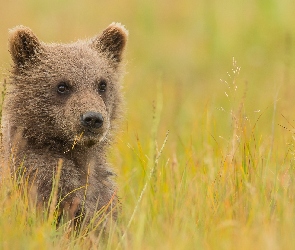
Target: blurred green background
x=220, y=75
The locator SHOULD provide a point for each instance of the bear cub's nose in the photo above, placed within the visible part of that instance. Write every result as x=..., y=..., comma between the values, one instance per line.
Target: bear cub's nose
x=92, y=120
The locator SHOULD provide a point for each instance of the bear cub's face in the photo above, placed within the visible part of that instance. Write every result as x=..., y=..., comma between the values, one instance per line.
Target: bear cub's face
x=68, y=93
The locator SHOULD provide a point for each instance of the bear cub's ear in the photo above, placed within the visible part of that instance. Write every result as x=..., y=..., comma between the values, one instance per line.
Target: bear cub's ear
x=24, y=46
x=112, y=42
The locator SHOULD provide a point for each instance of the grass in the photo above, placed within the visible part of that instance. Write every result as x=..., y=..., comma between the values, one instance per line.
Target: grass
x=223, y=176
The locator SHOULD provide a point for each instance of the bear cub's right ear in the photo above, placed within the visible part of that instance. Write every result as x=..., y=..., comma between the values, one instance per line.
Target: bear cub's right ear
x=24, y=46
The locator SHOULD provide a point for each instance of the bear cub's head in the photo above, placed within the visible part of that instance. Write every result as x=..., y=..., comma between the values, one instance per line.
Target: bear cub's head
x=66, y=93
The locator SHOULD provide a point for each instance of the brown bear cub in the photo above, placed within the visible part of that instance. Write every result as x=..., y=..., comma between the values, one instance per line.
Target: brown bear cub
x=62, y=105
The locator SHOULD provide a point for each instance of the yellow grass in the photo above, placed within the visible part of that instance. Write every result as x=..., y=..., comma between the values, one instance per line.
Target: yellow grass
x=219, y=76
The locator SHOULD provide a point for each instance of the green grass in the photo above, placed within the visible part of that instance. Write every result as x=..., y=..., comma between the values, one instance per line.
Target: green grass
x=223, y=177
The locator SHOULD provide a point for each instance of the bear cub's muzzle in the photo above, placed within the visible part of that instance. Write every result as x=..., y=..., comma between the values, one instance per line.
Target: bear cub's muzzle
x=92, y=120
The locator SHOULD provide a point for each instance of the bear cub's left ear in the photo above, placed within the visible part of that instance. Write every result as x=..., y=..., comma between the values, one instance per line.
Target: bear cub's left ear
x=112, y=42
x=24, y=46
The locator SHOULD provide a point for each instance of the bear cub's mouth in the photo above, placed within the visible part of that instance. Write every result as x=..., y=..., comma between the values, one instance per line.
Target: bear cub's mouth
x=91, y=137
x=90, y=132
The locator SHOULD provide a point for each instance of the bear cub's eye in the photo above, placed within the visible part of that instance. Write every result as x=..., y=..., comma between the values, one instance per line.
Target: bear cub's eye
x=62, y=88
x=102, y=86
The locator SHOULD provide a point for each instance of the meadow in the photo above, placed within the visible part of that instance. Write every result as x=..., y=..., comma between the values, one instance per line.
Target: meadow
x=205, y=155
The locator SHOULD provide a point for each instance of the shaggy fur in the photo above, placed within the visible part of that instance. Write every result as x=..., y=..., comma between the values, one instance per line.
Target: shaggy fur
x=41, y=121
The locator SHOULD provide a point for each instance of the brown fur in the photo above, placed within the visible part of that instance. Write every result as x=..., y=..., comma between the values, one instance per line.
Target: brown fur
x=40, y=126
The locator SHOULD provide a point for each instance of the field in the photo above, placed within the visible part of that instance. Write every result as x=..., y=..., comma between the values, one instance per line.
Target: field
x=205, y=155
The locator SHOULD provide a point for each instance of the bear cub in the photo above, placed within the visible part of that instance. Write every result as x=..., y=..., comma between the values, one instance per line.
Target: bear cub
x=61, y=107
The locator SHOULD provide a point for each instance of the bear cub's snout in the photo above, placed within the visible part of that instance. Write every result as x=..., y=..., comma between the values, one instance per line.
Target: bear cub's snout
x=92, y=120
